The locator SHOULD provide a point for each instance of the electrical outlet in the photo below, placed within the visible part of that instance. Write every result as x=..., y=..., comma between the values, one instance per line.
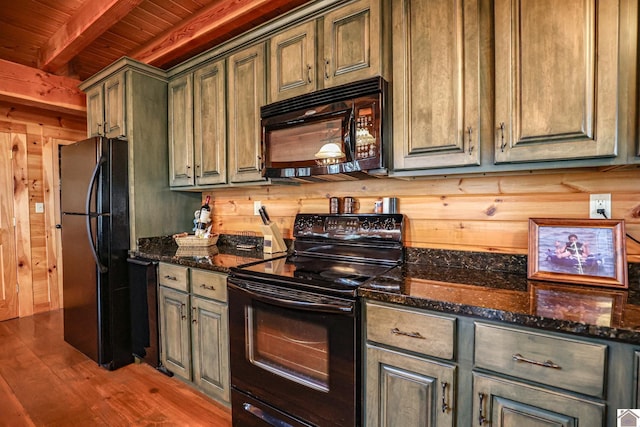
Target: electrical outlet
x=600, y=203
x=257, y=204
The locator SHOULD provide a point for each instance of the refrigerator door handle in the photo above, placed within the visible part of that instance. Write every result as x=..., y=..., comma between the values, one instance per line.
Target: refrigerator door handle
x=92, y=244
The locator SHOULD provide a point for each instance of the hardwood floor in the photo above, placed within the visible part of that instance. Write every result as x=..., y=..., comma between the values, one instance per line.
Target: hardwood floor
x=46, y=382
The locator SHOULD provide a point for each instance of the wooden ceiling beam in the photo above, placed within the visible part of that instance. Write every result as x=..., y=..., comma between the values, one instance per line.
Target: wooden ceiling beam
x=216, y=22
x=89, y=22
x=24, y=85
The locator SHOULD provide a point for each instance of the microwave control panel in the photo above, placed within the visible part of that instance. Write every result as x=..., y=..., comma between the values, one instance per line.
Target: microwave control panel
x=366, y=132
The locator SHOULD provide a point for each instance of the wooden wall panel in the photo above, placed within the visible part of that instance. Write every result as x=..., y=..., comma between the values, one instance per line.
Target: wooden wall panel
x=35, y=172
x=485, y=214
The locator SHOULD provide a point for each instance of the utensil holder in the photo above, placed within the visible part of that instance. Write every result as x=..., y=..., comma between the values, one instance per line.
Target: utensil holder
x=273, y=242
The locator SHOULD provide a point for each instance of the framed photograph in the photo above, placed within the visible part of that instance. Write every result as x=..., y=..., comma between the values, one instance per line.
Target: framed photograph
x=582, y=251
x=602, y=307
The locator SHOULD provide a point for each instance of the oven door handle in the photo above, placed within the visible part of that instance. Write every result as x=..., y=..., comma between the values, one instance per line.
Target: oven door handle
x=299, y=305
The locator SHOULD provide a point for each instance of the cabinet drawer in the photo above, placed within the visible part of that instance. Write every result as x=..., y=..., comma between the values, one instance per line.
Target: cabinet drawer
x=556, y=361
x=411, y=330
x=173, y=276
x=209, y=284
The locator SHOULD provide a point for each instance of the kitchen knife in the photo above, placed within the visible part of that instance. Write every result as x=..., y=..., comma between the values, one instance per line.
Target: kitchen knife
x=266, y=215
x=263, y=215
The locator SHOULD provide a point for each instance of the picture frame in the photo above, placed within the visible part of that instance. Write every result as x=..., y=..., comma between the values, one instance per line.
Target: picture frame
x=580, y=251
x=602, y=307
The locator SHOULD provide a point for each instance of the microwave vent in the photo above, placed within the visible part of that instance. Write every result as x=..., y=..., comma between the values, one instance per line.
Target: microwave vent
x=325, y=96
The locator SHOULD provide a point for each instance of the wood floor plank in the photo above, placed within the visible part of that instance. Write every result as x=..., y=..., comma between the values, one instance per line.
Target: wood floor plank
x=46, y=382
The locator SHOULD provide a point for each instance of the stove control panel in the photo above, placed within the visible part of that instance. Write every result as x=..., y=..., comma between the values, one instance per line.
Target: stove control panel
x=388, y=227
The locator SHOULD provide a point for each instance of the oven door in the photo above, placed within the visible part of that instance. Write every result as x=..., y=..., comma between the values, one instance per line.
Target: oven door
x=293, y=351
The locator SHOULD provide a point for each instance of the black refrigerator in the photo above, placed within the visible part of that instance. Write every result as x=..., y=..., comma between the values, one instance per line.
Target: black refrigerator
x=95, y=243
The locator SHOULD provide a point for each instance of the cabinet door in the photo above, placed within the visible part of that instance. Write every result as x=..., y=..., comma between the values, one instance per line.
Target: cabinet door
x=246, y=91
x=503, y=403
x=181, y=131
x=210, y=127
x=210, y=335
x=293, y=64
x=174, y=332
x=352, y=40
x=404, y=390
x=95, y=111
x=555, y=79
x=114, y=106
x=436, y=99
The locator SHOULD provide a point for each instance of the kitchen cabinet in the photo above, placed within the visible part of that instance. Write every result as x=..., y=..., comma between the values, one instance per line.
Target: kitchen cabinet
x=134, y=97
x=504, y=403
x=556, y=80
x=436, y=102
x=425, y=367
x=525, y=356
x=405, y=385
x=354, y=44
x=246, y=88
x=351, y=45
x=197, y=127
x=106, y=108
x=293, y=63
x=194, y=328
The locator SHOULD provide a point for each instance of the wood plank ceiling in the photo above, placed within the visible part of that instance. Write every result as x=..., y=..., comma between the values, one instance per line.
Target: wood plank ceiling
x=73, y=39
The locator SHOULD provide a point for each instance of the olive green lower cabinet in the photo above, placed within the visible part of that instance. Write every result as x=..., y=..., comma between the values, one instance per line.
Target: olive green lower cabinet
x=194, y=327
x=426, y=368
x=405, y=386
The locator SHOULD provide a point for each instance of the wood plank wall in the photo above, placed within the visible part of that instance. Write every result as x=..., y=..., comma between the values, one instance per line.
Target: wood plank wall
x=34, y=136
x=485, y=214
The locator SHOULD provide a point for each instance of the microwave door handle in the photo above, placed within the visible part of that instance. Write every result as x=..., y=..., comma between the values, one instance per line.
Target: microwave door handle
x=350, y=140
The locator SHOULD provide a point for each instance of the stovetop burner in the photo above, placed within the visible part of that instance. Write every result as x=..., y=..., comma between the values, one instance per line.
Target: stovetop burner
x=334, y=253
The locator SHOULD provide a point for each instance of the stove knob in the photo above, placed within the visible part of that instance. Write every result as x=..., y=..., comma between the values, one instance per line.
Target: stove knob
x=365, y=225
x=389, y=224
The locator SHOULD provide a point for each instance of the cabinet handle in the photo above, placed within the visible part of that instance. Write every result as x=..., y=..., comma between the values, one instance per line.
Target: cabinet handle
x=194, y=315
x=309, y=73
x=417, y=335
x=502, y=143
x=99, y=129
x=471, y=147
x=547, y=364
x=171, y=277
x=188, y=171
x=481, y=418
x=326, y=69
x=445, y=406
x=105, y=128
x=209, y=287
x=182, y=313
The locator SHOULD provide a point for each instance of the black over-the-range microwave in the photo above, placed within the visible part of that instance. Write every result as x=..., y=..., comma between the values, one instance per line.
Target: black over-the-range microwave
x=328, y=134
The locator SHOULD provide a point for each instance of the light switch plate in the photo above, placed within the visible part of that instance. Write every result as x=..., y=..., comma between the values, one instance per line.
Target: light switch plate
x=257, y=204
x=39, y=207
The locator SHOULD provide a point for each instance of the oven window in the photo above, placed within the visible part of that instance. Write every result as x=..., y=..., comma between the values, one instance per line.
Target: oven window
x=289, y=346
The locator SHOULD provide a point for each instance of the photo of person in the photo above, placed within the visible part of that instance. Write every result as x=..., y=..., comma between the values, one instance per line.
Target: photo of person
x=576, y=250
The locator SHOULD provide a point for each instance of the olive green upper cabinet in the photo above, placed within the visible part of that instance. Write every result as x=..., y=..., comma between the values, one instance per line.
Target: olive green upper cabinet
x=246, y=94
x=106, y=108
x=556, y=77
x=197, y=127
x=353, y=42
x=181, y=169
x=293, y=62
x=436, y=102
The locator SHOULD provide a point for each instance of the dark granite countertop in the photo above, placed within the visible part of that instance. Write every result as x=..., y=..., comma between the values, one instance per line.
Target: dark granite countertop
x=220, y=257
x=591, y=311
x=486, y=286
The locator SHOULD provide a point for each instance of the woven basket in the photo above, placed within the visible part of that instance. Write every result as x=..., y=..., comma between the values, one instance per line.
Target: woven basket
x=197, y=242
